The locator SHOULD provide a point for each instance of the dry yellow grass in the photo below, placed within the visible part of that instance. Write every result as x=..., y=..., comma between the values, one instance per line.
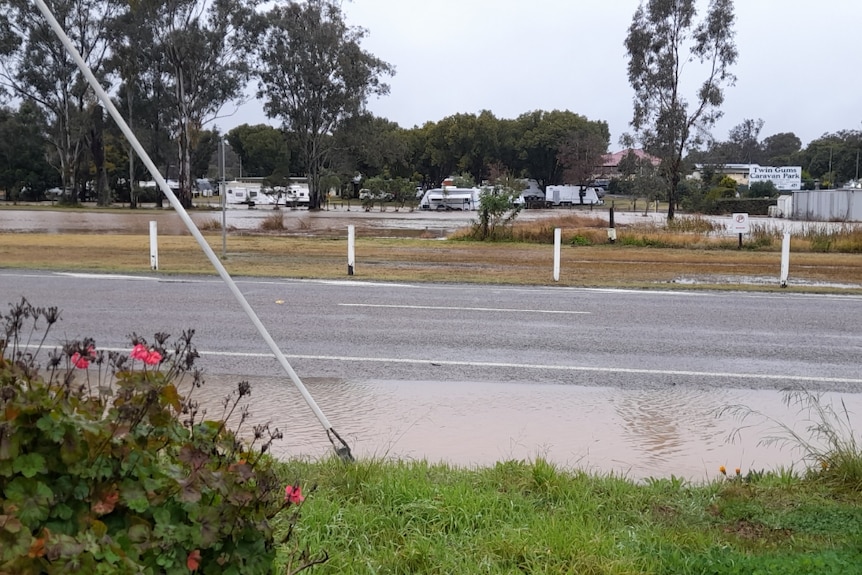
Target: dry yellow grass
x=427, y=260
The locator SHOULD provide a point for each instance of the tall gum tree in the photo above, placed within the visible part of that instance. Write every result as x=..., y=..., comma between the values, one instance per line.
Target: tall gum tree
x=198, y=53
x=664, y=41
x=35, y=67
x=314, y=75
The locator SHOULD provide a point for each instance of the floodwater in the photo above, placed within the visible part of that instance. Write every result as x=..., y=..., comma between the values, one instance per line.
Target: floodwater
x=237, y=218
x=634, y=433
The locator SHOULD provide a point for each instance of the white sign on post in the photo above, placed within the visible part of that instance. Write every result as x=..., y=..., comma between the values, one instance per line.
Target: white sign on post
x=785, y=178
x=739, y=224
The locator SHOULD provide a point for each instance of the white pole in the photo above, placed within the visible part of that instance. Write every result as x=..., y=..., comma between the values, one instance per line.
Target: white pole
x=154, y=246
x=558, y=234
x=344, y=451
x=351, y=256
x=785, y=259
x=223, y=196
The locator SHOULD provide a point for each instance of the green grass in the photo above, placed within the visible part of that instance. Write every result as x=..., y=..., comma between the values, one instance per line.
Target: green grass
x=531, y=517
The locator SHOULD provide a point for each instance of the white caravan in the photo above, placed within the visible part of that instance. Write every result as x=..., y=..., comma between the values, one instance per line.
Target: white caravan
x=570, y=196
x=292, y=195
x=447, y=198
x=245, y=193
x=532, y=194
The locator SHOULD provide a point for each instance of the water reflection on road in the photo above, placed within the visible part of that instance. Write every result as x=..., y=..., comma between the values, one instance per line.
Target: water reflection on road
x=636, y=433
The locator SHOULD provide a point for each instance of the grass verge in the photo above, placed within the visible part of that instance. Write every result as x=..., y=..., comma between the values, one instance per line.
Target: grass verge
x=530, y=517
x=433, y=261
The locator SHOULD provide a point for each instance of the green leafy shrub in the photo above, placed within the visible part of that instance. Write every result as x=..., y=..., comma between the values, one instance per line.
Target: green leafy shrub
x=106, y=467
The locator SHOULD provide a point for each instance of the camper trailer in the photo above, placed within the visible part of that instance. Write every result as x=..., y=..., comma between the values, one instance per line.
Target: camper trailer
x=292, y=195
x=245, y=193
x=571, y=196
x=532, y=196
x=447, y=198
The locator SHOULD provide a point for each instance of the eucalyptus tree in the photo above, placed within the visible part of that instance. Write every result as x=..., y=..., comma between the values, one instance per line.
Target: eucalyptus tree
x=664, y=41
x=262, y=149
x=194, y=55
x=314, y=75
x=582, y=152
x=24, y=171
x=541, y=138
x=780, y=149
x=746, y=139
x=35, y=67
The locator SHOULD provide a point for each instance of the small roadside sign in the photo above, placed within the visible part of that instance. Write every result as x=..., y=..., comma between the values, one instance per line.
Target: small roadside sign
x=739, y=224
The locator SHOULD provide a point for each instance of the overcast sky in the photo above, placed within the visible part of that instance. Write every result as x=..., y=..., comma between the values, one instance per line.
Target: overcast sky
x=798, y=66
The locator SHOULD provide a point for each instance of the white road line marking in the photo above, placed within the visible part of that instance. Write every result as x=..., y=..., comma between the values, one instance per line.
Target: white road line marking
x=463, y=308
x=532, y=366
x=578, y=368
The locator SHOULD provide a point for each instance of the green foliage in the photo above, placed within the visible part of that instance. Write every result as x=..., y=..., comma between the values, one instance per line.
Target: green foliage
x=533, y=517
x=728, y=182
x=497, y=209
x=315, y=76
x=107, y=467
x=664, y=42
x=764, y=189
x=828, y=443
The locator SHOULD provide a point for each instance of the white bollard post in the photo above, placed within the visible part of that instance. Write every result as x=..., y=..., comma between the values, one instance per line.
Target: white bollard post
x=350, y=249
x=785, y=259
x=154, y=246
x=557, y=238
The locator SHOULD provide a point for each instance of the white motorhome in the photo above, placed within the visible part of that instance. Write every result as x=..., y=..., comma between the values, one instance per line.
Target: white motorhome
x=571, y=196
x=447, y=198
x=245, y=193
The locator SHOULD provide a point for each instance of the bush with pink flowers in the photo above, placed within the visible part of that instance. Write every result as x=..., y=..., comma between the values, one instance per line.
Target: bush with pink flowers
x=108, y=464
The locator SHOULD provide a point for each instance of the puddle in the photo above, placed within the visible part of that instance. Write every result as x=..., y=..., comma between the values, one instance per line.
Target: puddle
x=758, y=280
x=636, y=433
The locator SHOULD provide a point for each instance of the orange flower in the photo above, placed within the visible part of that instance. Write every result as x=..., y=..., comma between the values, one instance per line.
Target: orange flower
x=722, y=470
x=194, y=560
x=738, y=471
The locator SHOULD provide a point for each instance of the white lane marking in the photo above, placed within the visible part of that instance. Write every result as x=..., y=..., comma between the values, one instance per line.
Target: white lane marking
x=574, y=368
x=462, y=308
x=578, y=368
x=106, y=276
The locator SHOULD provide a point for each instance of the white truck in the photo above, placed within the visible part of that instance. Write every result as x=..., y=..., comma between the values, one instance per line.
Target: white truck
x=556, y=196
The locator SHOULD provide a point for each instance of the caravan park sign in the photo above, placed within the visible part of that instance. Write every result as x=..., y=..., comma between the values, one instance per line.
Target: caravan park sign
x=785, y=178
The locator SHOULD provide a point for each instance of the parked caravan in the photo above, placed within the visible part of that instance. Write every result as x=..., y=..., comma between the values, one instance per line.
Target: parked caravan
x=450, y=199
x=244, y=193
x=292, y=195
x=571, y=196
x=532, y=196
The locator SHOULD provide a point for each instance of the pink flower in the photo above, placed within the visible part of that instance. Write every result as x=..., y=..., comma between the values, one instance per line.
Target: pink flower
x=153, y=358
x=293, y=494
x=80, y=361
x=140, y=352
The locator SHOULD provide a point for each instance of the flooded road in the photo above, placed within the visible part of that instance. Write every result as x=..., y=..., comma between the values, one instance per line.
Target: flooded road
x=602, y=380
x=635, y=433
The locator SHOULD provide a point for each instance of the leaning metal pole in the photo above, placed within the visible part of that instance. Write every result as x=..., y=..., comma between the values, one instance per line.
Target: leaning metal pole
x=343, y=450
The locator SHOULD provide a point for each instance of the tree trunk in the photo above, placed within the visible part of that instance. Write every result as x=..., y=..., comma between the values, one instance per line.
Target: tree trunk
x=97, y=149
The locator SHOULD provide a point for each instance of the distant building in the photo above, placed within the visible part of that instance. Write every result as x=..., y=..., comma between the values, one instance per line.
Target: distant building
x=739, y=172
x=611, y=162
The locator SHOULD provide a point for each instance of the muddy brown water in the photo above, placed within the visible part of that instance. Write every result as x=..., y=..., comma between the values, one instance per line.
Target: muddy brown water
x=634, y=433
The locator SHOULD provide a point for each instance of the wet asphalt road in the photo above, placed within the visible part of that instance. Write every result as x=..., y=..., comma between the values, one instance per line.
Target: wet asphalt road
x=363, y=331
